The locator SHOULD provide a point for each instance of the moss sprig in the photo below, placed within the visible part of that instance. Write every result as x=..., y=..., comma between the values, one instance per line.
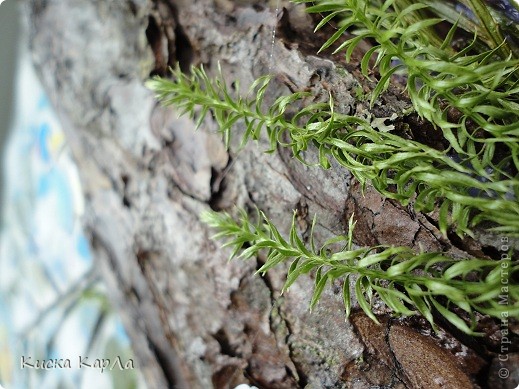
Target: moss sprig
x=406, y=282
x=398, y=168
x=482, y=87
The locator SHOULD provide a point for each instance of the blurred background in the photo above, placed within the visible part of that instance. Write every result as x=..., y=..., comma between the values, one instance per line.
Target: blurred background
x=52, y=304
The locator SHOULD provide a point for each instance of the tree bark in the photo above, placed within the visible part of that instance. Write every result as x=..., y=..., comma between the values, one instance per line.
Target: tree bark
x=195, y=320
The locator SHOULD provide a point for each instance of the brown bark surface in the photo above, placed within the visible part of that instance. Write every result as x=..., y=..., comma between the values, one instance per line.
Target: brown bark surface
x=197, y=321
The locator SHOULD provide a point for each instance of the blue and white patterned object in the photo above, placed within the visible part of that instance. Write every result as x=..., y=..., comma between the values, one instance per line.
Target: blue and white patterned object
x=52, y=307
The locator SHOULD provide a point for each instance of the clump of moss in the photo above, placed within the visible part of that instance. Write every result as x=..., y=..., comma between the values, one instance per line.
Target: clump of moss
x=469, y=93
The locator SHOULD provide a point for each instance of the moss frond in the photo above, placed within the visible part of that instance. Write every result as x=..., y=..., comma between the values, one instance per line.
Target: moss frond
x=408, y=283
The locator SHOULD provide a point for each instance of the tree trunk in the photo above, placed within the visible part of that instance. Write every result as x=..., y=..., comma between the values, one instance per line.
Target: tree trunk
x=195, y=320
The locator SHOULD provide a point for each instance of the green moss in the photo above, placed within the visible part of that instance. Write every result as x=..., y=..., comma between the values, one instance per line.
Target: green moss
x=360, y=95
x=471, y=95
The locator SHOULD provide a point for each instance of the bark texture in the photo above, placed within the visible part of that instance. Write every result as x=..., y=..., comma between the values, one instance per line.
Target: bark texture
x=195, y=320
